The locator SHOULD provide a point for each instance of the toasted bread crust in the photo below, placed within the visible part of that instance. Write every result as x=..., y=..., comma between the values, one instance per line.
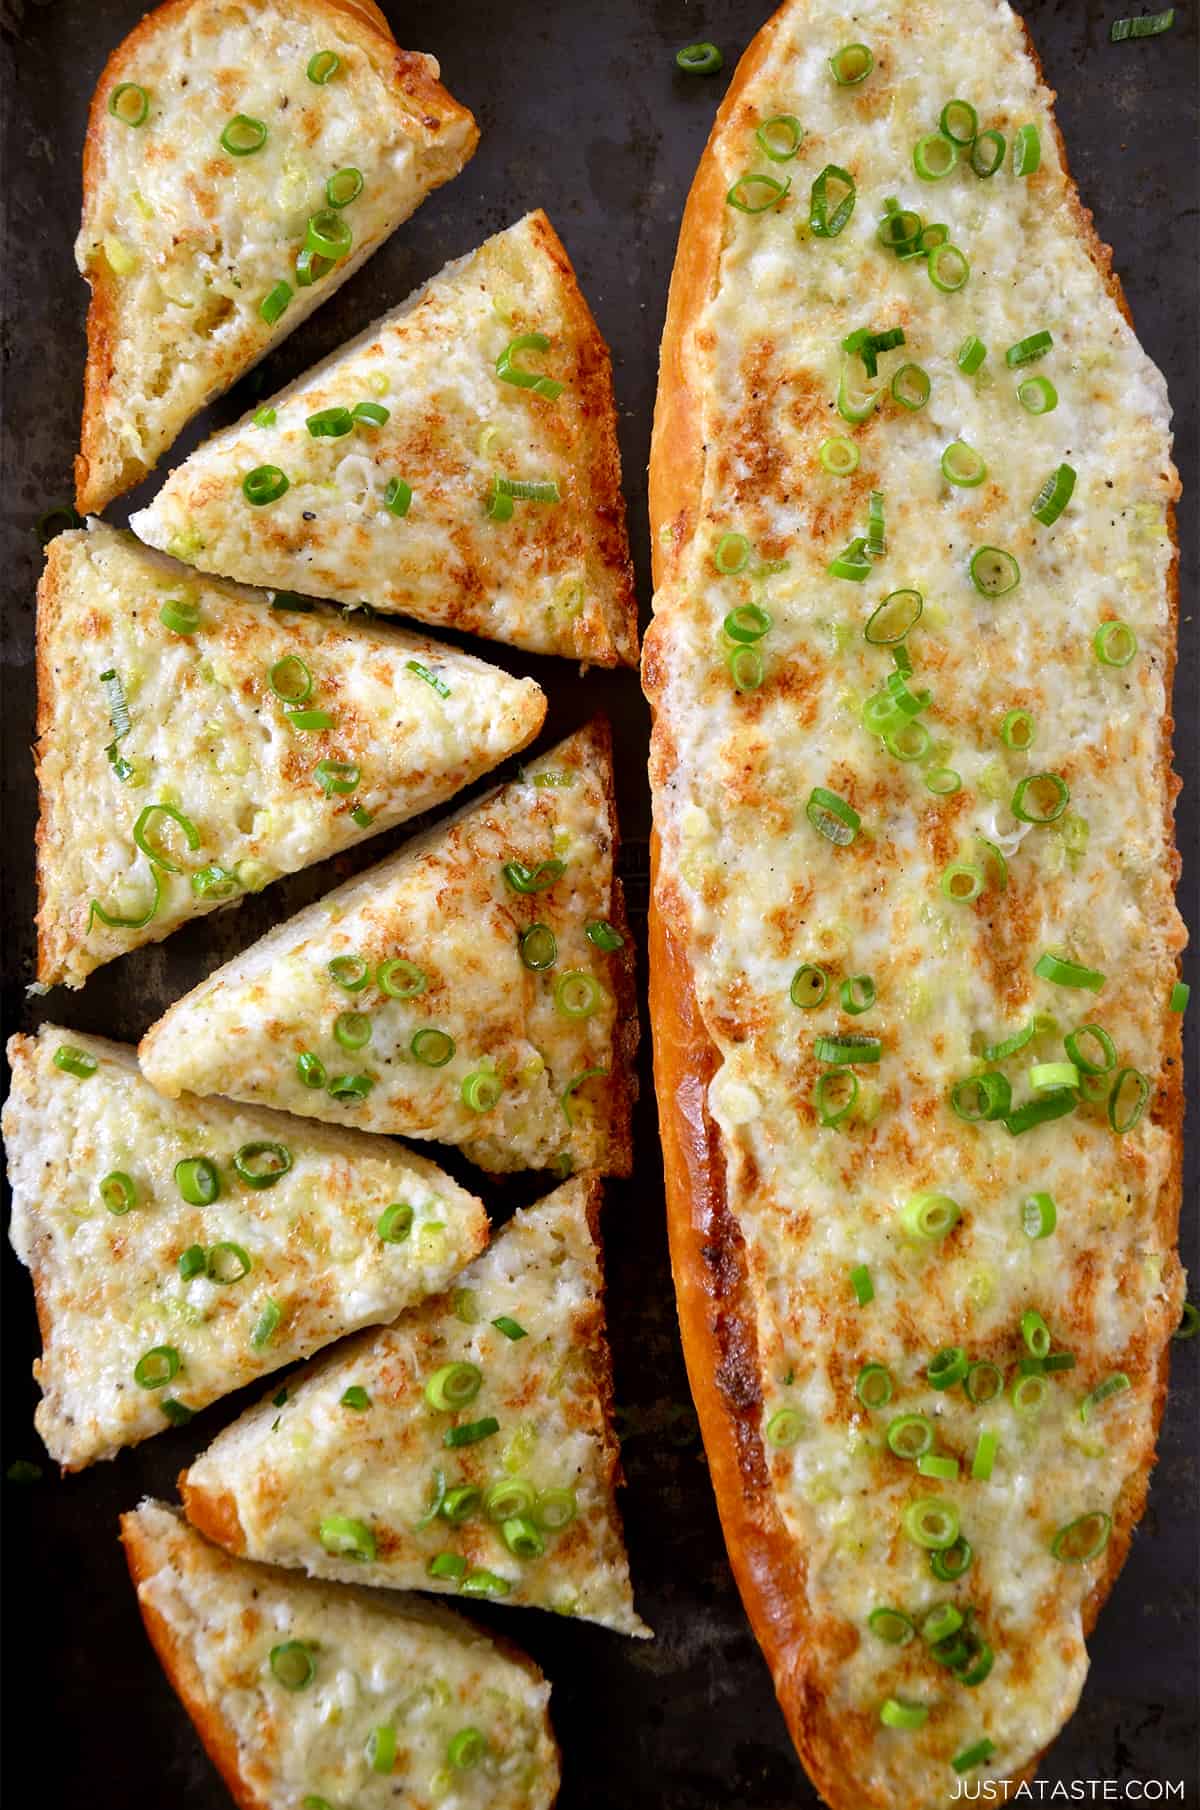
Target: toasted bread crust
x=708, y=1263
x=433, y=110
x=213, y=1514
x=623, y=1082
x=603, y=459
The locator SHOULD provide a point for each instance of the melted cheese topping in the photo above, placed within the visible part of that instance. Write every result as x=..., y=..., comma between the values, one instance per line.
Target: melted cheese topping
x=191, y=239
x=554, y=577
x=422, y=1673
x=446, y=906
x=754, y=891
x=108, y=1285
x=208, y=735
x=287, y=1470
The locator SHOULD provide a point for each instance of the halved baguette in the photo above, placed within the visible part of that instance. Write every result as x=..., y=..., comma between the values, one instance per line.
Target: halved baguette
x=132, y=714
x=357, y=1437
x=379, y=1670
x=795, y=1266
x=258, y=1277
x=524, y=1066
x=181, y=241
x=396, y=513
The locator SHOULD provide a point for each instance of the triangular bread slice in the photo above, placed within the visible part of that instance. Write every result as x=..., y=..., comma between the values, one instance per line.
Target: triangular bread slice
x=474, y=988
x=193, y=249
x=318, y=1695
x=527, y=1511
x=134, y=716
x=402, y=514
x=106, y=1175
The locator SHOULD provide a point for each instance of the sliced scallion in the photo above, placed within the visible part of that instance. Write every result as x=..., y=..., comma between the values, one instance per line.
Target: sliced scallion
x=823, y=222
x=1128, y=1100
x=262, y=1163
x=1027, y=150
x=831, y=817
x=699, y=59
x=1082, y=1539
x=909, y=1436
x=198, y=1180
x=1037, y=396
x=755, y=192
x=994, y=572
x=1025, y=351
x=861, y=1283
x=1039, y=1215
x=243, y=135
x=931, y=1216
x=986, y=1448
x=931, y=1522
x=1114, y=644
x=780, y=137
x=525, y=879
x=157, y=1367
x=117, y=1192
x=983, y=1382
x=431, y=1048
x=934, y=156
x=1148, y=25
x=962, y=465
x=839, y=456
x=265, y=484
x=141, y=835
x=980, y=1098
x=851, y=65
x=1066, y=973
x=509, y=371
x=1054, y=495
x=395, y=1223
x=344, y=186
x=834, y=1095
x=1040, y=798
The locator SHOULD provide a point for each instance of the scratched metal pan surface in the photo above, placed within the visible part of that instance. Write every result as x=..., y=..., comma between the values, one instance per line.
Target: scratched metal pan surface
x=583, y=112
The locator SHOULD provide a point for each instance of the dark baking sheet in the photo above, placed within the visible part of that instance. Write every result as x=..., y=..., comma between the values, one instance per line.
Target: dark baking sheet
x=583, y=112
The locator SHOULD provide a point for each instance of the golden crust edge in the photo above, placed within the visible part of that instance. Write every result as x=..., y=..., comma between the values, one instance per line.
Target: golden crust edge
x=606, y=498
x=433, y=107
x=707, y=1259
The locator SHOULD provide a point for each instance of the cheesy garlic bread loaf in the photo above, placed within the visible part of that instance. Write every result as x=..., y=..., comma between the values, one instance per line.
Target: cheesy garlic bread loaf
x=914, y=950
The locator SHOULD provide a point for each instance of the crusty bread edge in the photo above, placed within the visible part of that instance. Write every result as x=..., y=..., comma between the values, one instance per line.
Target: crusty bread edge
x=433, y=108
x=183, y=1674
x=605, y=499
x=621, y=1091
x=707, y=1255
